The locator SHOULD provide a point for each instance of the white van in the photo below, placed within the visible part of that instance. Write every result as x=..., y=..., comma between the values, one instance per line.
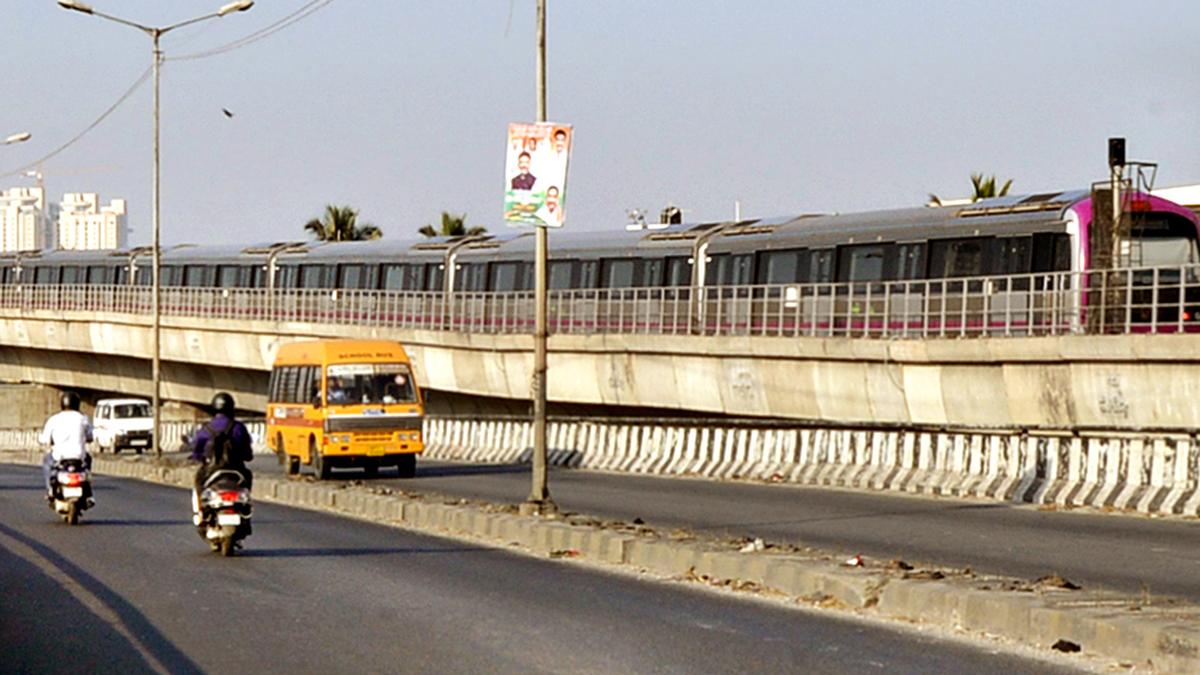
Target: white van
x=123, y=423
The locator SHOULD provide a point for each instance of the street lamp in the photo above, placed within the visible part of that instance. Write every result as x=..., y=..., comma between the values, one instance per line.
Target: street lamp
x=17, y=138
x=155, y=34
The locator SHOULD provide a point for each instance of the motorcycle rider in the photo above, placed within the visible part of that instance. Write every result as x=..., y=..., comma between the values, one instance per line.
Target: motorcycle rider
x=67, y=432
x=240, y=452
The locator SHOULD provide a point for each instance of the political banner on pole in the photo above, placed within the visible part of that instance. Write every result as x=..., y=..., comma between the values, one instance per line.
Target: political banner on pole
x=535, y=173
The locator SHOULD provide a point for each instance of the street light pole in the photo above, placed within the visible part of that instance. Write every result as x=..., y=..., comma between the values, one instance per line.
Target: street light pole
x=539, y=501
x=156, y=267
x=156, y=256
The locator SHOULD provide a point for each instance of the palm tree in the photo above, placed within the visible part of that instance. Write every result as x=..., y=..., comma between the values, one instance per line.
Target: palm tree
x=452, y=226
x=984, y=187
x=340, y=223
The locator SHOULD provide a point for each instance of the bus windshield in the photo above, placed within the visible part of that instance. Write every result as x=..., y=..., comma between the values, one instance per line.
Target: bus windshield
x=369, y=384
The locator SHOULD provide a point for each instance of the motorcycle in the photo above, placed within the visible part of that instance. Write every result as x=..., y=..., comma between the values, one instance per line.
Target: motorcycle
x=223, y=518
x=70, y=489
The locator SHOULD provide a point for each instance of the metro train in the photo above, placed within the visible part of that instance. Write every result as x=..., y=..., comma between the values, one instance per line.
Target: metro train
x=1013, y=235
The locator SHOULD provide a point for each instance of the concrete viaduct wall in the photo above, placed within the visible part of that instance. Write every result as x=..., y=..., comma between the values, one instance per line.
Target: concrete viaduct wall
x=1136, y=383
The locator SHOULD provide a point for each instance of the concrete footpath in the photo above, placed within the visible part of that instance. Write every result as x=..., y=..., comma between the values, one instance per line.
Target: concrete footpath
x=1138, y=632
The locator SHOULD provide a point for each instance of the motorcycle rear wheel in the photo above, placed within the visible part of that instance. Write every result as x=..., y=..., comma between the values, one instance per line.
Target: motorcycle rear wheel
x=72, y=514
x=227, y=547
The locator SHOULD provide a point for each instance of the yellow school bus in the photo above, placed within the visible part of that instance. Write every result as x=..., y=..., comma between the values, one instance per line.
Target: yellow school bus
x=344, y=403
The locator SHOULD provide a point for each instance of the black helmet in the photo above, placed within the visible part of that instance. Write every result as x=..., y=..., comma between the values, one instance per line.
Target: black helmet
x=222, y=404
x=70, y=401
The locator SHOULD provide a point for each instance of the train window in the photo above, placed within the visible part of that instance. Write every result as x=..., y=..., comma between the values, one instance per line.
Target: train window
x=370, y=277
x=679, y=272
x=99, y=275
x=45, y=275
x=314, y=276
x=559, y=274
x=950, y=258
x=393, y=277
x=504, y=276
x=1012, y=255
x=619, y=273
x=1062, y=253
x=1051, y=252
x=714, y=269
x=122, y=276
x=434, y=278
x=169, y=275
x=588, y=274
x=350, y=276
x=198, y=276
x=525, y=276
x=910, y=261
x=652, y=272
x=741, y=270
x=820, y=266
x=5, y=275
x=228, y=276
x=779, y=267
x=861, y=263
x=285, y=276
x=471, y=277
x=1158, y=241
x=144, y=277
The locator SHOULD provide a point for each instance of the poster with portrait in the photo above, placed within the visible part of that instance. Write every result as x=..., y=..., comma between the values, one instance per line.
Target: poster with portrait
x=535, y=173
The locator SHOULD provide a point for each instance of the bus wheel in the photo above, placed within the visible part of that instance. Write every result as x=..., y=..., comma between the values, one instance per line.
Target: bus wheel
x=407, y=467
x=319, y=464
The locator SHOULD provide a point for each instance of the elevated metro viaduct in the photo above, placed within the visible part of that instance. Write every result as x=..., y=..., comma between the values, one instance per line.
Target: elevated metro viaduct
x=1136, y=383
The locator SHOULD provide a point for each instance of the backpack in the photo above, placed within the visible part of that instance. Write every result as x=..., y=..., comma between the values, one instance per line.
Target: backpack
x=220, y=450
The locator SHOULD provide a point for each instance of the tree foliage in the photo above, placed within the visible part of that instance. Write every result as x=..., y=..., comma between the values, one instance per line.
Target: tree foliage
x=452, y=226
x=985, y=187
x=340, y=223
x=982, y=187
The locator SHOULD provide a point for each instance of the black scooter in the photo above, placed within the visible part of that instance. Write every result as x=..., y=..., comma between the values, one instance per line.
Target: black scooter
x=224, y=511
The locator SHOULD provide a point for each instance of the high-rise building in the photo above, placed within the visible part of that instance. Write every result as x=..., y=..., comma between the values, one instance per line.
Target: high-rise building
x=23, y=225
x=83, y=224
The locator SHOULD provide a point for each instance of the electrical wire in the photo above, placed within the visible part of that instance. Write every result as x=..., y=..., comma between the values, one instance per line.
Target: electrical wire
x=300, y=14
x=304, y=12
x=124, y=97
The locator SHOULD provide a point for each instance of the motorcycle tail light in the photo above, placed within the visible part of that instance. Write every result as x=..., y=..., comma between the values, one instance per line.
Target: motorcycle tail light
x=70, y=478
x=234, y=496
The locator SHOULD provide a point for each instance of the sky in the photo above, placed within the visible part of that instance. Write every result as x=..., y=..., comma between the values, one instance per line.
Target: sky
x=399, y=108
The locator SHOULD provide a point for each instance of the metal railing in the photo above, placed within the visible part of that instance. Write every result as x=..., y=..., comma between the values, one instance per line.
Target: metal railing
x=1157, y=300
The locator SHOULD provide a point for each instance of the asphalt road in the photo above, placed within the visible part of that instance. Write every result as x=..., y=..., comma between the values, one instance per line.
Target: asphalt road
x=1121, y=552
x=133, y=589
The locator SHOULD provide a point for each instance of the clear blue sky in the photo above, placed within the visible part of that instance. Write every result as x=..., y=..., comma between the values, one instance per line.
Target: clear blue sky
x=399, y=108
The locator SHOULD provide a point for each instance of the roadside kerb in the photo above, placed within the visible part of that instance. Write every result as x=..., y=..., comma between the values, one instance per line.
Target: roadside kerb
x=1108, y=625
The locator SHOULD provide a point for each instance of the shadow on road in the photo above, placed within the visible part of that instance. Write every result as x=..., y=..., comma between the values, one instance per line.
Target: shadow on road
x=150, y=639
x=119, y=522
x=349, y=552
x=471, y=470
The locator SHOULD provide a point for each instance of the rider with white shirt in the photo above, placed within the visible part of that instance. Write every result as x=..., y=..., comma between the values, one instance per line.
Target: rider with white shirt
x=67, y=433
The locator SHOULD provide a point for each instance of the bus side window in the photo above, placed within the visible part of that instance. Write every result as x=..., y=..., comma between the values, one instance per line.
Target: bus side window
x=273, y=386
